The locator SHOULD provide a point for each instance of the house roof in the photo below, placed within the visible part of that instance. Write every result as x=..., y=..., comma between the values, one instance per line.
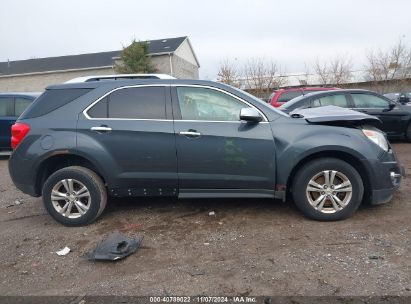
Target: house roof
x=83, y=61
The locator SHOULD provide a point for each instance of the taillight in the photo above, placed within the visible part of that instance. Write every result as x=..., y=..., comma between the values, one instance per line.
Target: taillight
x=18, y=132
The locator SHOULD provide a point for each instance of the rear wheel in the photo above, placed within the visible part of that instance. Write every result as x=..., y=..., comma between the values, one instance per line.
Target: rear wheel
x=74, y=196
x=328, y=189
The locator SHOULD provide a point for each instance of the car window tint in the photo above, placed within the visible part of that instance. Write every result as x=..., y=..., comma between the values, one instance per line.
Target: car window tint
x=286, y=96
x=330, y=100
x=100, y=109
x=20, y=105
x=51, y=100
x=208, y=104
x=368, y=101
x=6, y=106
x=134, y=103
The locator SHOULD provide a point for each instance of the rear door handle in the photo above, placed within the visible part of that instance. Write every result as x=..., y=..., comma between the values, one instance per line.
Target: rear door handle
x=101, y=129
x=190, y=133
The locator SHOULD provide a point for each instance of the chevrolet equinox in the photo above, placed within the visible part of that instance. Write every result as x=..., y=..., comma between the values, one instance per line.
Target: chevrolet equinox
x=79, y=143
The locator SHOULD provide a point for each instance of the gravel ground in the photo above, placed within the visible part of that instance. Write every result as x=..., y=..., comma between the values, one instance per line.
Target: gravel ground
x=249, y=247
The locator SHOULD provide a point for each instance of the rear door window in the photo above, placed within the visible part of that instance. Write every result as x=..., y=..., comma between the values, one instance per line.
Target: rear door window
x=6, y=106
x=338, y=100
x=132, y=103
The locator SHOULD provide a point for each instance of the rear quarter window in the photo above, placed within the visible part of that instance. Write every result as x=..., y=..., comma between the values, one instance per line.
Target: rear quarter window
x=51, y=100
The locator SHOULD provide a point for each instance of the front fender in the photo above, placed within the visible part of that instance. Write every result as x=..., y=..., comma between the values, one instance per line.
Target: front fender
x=300, y=142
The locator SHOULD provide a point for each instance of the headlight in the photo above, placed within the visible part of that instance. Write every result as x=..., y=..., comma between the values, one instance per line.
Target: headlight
x=377, y=138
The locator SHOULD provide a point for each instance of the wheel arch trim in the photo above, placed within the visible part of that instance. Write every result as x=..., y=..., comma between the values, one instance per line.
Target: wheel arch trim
x=73, y=157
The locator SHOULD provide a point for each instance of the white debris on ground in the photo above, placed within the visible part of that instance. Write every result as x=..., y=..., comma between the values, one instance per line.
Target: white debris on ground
x=63, y=251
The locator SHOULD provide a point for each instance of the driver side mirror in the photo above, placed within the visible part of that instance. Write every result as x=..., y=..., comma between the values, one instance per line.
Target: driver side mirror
x=391, y=106
x=250, y=114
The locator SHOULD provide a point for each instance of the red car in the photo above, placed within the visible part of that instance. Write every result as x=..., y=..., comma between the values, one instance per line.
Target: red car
x=281, y=96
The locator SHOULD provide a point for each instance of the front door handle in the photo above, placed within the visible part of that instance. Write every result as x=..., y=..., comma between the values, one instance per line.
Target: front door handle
x=101, y=129
x=190, y=133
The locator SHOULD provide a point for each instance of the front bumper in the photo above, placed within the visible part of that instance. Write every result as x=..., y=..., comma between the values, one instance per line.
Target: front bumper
x=386, y=176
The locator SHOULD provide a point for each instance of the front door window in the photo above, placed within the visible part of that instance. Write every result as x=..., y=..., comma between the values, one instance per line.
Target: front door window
x=364, y=101
x=207, y=104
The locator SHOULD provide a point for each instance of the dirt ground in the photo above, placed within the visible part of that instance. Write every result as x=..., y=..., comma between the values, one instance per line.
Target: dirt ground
x=249, y=247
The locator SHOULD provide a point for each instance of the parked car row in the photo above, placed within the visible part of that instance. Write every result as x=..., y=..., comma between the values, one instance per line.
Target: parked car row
x=401, y=97
x=395, y=117
x=80, y=142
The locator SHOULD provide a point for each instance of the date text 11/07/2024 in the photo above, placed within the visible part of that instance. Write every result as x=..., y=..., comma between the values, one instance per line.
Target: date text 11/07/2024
x=204, y=299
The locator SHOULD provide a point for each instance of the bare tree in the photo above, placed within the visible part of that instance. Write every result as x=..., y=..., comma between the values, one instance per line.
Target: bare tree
x=388, y=69
x=337, y=71
x=261, y=76
x=228, y=73
x=304, y=79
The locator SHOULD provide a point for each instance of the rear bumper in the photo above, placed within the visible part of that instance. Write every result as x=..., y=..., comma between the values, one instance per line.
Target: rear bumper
x=27, y=189
x=21, y=175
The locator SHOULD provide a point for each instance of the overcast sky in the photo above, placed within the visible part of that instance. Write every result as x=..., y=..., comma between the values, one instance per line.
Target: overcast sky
x=291, y=32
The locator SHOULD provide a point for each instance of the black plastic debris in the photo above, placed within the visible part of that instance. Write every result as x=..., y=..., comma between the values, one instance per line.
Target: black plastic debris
x=115, y=247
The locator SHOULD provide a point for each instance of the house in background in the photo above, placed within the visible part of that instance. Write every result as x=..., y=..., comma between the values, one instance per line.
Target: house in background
x=172, y=56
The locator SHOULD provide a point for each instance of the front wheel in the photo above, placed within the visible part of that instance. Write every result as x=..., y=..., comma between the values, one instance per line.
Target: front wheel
x=74, y=196
x=327, y=189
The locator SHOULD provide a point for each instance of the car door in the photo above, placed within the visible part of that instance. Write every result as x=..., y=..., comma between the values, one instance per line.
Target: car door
x=7, y=118
x=219, y=155
x=380, y=107
x=130, y=133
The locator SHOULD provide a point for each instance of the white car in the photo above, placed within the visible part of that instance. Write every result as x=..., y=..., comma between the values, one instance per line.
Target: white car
x=119, y=76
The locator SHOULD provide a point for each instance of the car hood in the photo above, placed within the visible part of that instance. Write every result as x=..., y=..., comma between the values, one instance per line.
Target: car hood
x=335, y=116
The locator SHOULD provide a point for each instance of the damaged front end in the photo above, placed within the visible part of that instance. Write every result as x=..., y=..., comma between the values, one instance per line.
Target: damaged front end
x=336, y=116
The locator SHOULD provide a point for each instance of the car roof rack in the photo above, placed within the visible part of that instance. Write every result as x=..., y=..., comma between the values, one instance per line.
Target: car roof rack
x=119, y=77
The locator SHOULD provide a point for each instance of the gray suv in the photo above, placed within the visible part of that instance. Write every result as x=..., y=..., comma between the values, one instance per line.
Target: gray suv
x=79, y=143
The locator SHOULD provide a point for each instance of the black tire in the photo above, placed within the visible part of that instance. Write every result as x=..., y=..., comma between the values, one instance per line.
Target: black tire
x=310, y=170
x=408, y=133
x=97, y=200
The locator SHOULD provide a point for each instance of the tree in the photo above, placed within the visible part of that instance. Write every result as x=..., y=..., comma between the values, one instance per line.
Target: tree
x=388, y=69
x=134, y=59
x=261, y=76
x=228, y=73
x=337, y=71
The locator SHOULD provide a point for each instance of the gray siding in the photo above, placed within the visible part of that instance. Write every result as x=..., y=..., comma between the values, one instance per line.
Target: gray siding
x=37, y=82
x=184, y=69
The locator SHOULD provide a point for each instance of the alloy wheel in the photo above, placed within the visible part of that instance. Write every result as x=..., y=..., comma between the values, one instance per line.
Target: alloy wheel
x=329, y=191
x=70, y=198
